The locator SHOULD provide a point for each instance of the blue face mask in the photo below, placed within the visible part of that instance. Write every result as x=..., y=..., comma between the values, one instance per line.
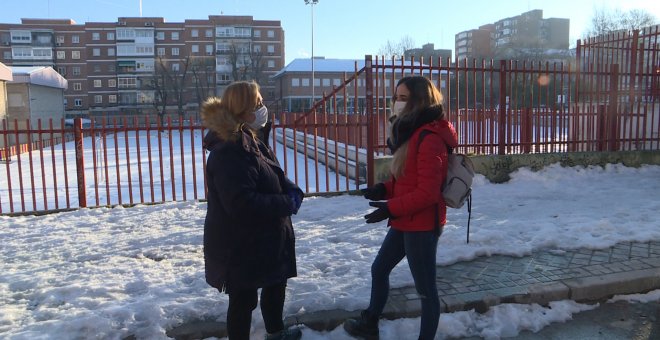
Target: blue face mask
x=261, y=118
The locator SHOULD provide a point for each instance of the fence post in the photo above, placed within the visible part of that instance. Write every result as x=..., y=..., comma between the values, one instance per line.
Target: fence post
x=80, y=163
x=369, y=96
x=612, y=109
x=501, y=126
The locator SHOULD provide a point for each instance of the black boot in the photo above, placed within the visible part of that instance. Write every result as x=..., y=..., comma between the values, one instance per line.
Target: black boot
x=366, y=326
x=286, y=334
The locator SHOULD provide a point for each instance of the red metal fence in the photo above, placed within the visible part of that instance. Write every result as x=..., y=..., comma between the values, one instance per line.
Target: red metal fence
x=607, y=99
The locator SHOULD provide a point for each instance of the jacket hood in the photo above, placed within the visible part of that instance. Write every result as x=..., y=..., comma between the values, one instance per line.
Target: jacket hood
x=445, y=129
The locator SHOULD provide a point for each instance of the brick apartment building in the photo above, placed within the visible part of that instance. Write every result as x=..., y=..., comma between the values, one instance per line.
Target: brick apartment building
x=514, y=37
x=427, y=54
x=145, y=65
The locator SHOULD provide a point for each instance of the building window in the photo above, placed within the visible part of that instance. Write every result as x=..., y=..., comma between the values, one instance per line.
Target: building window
x=194, y=33
x=209, y=49
x=98, y=99
x=208, y=33
x=257, y=48
x=271, y=63
x=317, y=82
x=75, y=39
x=6, y=55
x=175, y=51
x=97, y=68
x=112, y=82
x=75, y=54
x=271, y=49
x=257, y=33
x=76, y=70
x=77, y=86
x=77, y=102
x=61, y=54
x=61, y=70
x=96, y=36
x=160, y=35
x=305, y=82
x=112, y=98
x=96, y=52
x=336, y=82
x=326, y=82
x=175, y=35
x=195, y=48
x=60, y=39
x=271, y=34
x=175, y=67
x=125, y=83
x=160, y=51
x=111, y=68
x=110, y=36
x=97, y=83
x=111, y=52
x=295, y=82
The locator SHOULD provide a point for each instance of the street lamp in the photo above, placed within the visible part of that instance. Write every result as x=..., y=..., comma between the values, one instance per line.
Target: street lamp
x=312, y=3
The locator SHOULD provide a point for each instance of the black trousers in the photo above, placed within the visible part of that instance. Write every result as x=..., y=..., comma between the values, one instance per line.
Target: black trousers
x=243, y=302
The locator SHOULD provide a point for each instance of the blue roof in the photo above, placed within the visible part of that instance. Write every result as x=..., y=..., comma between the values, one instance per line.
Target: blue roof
x=331, y=65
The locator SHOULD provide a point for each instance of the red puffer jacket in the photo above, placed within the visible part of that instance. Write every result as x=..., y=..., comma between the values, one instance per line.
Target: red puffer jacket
x=412, y=198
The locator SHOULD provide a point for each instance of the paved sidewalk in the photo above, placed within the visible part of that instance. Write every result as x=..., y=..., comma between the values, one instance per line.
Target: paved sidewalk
x=583, y=275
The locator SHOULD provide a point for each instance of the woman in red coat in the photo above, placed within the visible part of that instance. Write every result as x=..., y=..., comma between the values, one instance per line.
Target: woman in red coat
x=420, y=140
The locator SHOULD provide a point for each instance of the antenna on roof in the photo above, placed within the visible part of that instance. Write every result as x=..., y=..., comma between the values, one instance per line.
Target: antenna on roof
x=140, y=8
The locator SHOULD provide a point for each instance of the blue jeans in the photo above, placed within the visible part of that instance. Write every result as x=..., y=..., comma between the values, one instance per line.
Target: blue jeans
x=420, y=249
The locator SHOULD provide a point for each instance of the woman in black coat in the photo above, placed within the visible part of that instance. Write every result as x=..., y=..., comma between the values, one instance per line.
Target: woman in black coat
x=248, y=235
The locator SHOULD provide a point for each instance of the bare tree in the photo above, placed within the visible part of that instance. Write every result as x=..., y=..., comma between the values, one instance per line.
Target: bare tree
x=605, y=21
x=202, y=71
x=396, y=49
x=168, y=84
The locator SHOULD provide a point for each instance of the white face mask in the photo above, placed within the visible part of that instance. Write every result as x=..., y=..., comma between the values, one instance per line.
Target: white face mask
x=398, y=107
x=261, y=118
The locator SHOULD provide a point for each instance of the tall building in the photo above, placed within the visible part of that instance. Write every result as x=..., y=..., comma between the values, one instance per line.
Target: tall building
x=145, y=65
x=524, y=35
x=427, y=54
x=476, y=43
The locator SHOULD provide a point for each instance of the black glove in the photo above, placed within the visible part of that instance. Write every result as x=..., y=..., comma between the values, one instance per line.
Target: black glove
x=296, y=196
x=379, y=214
x=374, y=193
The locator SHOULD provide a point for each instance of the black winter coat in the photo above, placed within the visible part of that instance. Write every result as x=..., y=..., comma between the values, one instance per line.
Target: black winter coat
x=248, y=235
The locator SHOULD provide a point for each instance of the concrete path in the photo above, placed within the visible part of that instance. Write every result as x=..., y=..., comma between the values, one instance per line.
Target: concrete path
x=583, y=275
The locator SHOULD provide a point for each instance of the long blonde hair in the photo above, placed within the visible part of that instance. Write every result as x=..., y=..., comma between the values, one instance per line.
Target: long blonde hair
x=423, y=94
x=226, y=115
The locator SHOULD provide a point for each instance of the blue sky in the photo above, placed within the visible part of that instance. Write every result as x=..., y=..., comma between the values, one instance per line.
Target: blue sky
x=343, y=28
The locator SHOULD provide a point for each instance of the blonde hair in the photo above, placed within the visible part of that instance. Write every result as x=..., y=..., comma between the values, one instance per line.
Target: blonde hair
x=226, y=115
x=423, y=94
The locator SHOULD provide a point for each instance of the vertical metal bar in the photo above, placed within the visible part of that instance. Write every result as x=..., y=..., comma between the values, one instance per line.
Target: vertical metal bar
x=149, y=159
x=169, y=135
x=369, y=96
x=128, y=159
x=53, y=168
x=80, y=162
x=160, y=160
x=183, y=159
x=43, y=170
x=115, y=131
x=106, y=167
x=94, y=163
x=30, y=146
x=612, y=108
x=66, y=168
x=138, y=132
x=5, y=129
x=193, y=151
x=502, y=110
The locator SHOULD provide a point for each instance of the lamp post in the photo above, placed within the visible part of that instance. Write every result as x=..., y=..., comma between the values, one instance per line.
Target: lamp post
x=312, y=3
